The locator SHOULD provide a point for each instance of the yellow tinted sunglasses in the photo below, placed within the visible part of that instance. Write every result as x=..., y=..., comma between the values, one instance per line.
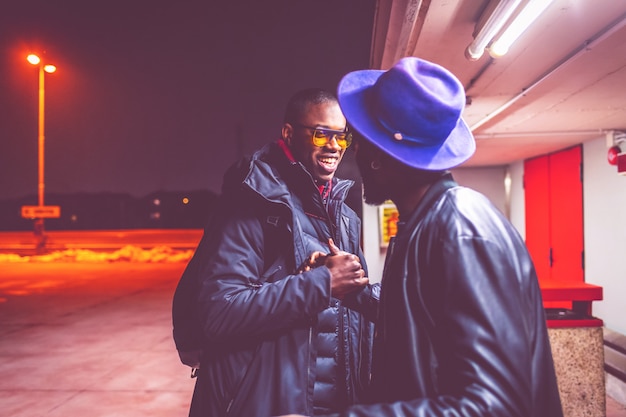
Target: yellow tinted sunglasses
x=322, y=136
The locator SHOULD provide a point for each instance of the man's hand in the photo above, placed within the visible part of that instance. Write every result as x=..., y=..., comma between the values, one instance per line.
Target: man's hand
x=313, y=261
x=346, y=273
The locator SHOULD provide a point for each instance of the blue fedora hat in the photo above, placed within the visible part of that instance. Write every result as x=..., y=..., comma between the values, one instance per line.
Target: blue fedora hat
x=411, y=112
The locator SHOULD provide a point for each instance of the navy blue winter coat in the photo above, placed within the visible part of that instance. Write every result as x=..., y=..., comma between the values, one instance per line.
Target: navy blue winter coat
x=259, y=319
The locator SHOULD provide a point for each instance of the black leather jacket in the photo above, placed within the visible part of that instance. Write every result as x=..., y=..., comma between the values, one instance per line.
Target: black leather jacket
x=259, y=317
x=462, y=330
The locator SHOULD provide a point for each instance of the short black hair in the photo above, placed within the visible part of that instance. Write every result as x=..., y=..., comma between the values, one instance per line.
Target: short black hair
x=299, y=102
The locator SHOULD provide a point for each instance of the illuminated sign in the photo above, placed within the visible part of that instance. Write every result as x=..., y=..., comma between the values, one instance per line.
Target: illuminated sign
x=388, y=222
x=40, y=212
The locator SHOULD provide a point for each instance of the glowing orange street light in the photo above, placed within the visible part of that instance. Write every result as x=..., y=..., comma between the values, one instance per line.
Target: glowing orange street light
x=43, y=68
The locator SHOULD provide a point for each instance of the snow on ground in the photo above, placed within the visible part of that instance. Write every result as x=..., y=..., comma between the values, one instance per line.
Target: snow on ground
x=128, y=253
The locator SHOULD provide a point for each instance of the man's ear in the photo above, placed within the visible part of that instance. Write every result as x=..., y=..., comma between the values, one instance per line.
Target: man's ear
x=287, y=133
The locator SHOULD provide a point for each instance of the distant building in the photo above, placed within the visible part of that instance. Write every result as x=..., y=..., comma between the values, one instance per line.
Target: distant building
x=97, y=211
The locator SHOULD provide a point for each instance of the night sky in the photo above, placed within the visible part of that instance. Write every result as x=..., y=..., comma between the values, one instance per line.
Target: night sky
x=161, y=95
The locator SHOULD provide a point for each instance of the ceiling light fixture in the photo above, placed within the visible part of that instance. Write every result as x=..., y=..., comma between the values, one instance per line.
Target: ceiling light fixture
x=524, y=19
x=497, y=21
x=498, y=17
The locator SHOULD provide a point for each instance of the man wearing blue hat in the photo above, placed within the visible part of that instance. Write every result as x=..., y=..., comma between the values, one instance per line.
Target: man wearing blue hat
x=461, y=328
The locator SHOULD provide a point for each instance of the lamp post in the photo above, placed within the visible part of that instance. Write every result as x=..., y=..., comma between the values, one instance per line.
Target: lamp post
x=43, y=68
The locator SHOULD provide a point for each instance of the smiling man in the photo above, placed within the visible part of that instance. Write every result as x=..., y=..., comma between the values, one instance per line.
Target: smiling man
x=275, y=333
x=318, y=139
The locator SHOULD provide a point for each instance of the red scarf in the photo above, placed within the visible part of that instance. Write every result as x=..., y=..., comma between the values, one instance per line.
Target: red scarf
x=324, y=189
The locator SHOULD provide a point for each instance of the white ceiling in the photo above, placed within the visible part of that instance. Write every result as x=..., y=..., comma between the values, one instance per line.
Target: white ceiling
x=562, y=83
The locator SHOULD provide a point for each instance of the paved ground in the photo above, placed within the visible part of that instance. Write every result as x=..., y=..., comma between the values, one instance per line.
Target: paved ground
x=94, y=339
x=90, y=340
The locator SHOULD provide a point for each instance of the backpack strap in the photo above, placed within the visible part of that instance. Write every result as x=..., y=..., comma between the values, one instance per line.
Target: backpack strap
x=274, y=250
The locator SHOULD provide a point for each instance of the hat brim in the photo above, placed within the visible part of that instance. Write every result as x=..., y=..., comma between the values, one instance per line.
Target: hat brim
x=352, y=92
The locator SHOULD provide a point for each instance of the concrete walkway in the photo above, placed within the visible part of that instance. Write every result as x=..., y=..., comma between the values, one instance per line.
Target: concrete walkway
x=90, y=340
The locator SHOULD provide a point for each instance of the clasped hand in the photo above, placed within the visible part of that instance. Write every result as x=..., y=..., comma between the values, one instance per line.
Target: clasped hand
x=346, y=273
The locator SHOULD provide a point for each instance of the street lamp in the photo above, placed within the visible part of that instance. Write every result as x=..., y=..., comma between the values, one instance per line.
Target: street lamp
x=43, y=68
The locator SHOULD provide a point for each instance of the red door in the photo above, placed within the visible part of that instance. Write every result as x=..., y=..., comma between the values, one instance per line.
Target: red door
x=537, y=205
x=554, y=216
x=567, y=215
